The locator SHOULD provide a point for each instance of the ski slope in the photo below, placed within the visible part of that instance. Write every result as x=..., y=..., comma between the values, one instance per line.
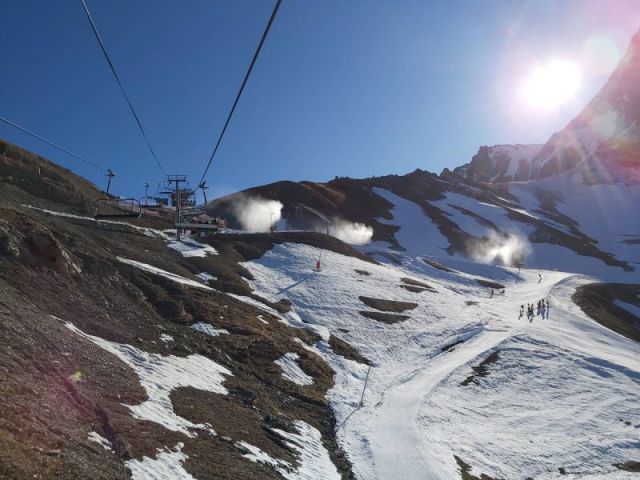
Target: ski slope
x=559, y=395
x=602, y=215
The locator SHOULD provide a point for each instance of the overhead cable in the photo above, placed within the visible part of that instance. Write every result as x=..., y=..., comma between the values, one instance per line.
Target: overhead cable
x=244, y=82
x=124, y=93
x=55, y=145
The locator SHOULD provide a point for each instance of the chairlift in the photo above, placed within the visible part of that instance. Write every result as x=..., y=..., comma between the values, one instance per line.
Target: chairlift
x=117, y=208
x=201, y=225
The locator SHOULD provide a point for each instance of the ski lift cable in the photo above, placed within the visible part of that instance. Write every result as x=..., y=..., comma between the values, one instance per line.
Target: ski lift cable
x=124, y=93
x=35, y=135
x=244, y=82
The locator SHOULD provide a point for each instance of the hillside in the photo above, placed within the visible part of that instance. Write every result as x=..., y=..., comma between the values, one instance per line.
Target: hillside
x=120, y=356
x=549, y=223
x=127, y=354
x=568, y=204
x=478, y=324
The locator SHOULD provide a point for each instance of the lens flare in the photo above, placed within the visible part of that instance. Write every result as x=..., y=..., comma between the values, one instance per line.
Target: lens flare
x=551, y=85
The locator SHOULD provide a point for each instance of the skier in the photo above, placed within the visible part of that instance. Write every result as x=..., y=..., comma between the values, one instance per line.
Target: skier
x=539, y=278
x=318, y=265
x=491, y=296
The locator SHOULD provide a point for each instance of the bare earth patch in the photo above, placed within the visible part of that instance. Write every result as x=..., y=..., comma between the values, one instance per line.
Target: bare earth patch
x=598, y=301
x=465, y=471
x=387, y=305
x=410, y=282
x=481, y=370
x=345, y=350
x=437, y=265
x=384, y=317
x=490, y=284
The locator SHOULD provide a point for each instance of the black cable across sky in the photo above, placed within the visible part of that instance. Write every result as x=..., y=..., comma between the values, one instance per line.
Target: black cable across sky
x=62, y=149
x=115, y=74
x=244, y=82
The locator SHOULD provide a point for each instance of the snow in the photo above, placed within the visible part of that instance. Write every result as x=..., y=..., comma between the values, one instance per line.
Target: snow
x=206, y=277
x=632, y=309
x=163, y=273
x=159, y=375
x=521, y=153
x=417, y=232
x=517, y=154
x=191, y=248
x=605, y=213
x=291, y=370
x=166, y=337
x=313, y=459
x=531, y=375
x=553, y=399
x=95, y=437
x=208, y=329
x=256, y=455
x=590, y=205
x=148, y=232
x=166, y=466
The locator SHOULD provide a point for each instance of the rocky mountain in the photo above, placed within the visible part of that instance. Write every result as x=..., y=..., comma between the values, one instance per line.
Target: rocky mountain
x=554, y=223
x=380, y=332
x=500, y=163
x=601, y=145
x=125, y=353
x=570, y=202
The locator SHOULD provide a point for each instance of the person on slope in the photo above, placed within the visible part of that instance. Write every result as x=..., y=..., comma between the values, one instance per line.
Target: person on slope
x=491, y=296
x=539, y=278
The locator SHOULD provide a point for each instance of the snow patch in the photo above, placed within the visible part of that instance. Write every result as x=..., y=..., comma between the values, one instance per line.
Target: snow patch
x=163, y=273
x=208, y=329
x=168, y=465
x=256, y=455
x=165, y=337
x=292, y=371
x=159, y=375
x=417, y=234
x=190, y=248
x=313, y=459
x=632, y=309
x=95, y=437
x=206, y=277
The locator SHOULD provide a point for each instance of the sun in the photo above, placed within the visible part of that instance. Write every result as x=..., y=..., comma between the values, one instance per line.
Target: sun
x=551, y=85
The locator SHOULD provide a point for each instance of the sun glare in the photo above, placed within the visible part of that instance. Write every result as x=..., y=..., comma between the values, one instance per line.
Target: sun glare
x=551, y=85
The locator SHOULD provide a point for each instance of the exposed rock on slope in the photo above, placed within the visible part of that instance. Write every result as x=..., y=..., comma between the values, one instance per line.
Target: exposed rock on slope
x=84, y=334
x=602, y=144
x=500, y=163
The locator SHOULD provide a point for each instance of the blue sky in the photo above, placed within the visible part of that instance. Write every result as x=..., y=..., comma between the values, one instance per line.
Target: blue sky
x=350, y=88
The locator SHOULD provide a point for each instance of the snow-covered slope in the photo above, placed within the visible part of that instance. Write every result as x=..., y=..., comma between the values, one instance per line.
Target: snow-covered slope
x=556, y=223
x=465, y=378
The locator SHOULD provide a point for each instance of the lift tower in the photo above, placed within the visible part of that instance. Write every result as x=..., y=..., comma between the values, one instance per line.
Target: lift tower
x=177, y=199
